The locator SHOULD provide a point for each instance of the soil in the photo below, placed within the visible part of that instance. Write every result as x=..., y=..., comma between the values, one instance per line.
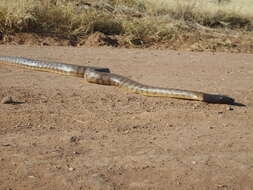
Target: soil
x=230, y=42
x=60, y=132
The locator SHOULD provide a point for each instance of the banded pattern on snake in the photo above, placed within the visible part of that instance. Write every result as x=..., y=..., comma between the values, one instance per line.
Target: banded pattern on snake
x=104, y=77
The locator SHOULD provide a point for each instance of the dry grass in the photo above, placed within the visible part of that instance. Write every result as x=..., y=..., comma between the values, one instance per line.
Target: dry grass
x=62, y=18
x=140, y=21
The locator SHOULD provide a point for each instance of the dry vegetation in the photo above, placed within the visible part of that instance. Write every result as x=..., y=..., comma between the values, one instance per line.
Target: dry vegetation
x=200, y=24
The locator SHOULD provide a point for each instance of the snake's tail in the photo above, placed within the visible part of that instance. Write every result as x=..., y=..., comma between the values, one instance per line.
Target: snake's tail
x=56, y=67
x=136, y=87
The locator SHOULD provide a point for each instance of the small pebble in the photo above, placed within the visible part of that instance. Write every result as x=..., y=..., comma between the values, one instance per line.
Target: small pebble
x=135, y=126
x=73, y=139
x=230, y=108
x=6, y=144
x=71, y=169
x=7, y=100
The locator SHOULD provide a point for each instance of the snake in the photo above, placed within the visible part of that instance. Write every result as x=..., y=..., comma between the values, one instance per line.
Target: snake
x=103, y=76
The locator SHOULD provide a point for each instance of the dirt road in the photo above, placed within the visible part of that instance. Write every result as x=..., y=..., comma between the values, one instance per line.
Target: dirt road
x=64, y=133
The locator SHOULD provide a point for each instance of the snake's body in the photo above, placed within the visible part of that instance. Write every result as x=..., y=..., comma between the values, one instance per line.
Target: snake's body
x=104, y=77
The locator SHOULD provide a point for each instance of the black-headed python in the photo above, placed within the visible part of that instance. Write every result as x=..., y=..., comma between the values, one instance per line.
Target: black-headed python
x=104, y=77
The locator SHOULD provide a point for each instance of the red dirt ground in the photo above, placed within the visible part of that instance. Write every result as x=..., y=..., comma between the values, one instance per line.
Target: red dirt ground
x=64, y=133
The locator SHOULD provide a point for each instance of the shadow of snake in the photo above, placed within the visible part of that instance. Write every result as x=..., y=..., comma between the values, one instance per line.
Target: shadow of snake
x=104, y=77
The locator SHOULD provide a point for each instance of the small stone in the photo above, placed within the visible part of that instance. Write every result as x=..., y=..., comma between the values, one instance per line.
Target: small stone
x=194, y=162
x=230, y=108
x=6, y=144
x=73, y=139
x=224, y=187
x=178, y=183
x=57, y=167
x=71, y=169
x=7, y=100
x=145, y=167
x=45, y=44
x=135, y=126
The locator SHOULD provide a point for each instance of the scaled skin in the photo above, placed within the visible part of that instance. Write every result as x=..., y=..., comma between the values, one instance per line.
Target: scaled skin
x=103, y=76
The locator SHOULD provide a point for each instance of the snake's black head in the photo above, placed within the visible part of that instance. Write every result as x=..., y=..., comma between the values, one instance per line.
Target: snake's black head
x=218, y=99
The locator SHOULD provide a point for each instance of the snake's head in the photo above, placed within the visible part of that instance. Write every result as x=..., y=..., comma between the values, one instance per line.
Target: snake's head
x=218, y=99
